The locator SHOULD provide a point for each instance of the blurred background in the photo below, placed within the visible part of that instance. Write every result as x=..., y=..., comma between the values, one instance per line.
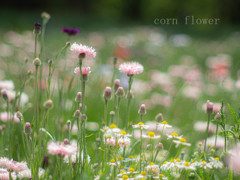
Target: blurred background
x=185, y=65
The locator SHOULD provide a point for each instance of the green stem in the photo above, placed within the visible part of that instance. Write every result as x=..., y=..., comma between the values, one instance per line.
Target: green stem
x=83, y=128
x=117, y=109
x=141, y=150
x=207, y=133
x=216, y=135
x=105, y=113
x=129, y=100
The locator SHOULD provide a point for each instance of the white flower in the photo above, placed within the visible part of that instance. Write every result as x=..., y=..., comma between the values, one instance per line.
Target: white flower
x=140, y=125
x=154, y=169
x=215, y=162
x=164, y=124
x=79, y=48
x=113, y=163
x=181, y=141
x=151, y=135
x=174, y=136
x=186, y=165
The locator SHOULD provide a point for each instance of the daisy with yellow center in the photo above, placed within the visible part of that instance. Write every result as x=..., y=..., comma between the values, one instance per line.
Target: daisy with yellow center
x=215, y=162
x=161, y=175
x=131, y=170
x=113, y=162
x=151, y=135
x=123, y=132
x=186, y=163
x=121, y=158
x=189, y=166
x=143, y=173
x=181, y=141
x=125, y=177
x=151, y=163
x=140, y=125
x=174, y=136
x=164, y=124
x=113, y=126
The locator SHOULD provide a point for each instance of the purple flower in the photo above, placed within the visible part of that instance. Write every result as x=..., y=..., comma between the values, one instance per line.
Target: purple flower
x=37, y=27
x=70, y=31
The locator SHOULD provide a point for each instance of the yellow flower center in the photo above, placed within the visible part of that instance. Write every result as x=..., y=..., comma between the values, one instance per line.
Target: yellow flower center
x=121, y=167
x=113, y=126
x=151, y=134
x=140, y=123
x=172, y=160
x=217, y=158
x=131, y=170
x=151, y=163
x=112, y=161
x=164, y=163
x=186, y=164
x=161, y=175
x=125, y=177
x=183, y=140
x=164, y=122
x=143, y=173
x=177, y=160
x=122, y=172
x=131, y=157
x=204, y=162
x=100, y=173
x=174, y=134
x=123, y=132
x=121, y=158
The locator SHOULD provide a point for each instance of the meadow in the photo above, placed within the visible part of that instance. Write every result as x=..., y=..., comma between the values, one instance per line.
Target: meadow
x=130, y=102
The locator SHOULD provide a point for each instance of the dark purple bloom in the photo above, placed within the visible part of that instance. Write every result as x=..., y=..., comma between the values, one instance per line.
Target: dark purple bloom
x=37, y=27
x=70, y=31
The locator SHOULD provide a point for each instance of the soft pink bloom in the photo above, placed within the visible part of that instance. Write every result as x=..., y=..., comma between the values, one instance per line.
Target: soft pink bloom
x=79, y=48
x=216, y=107
x=123, y=142
x=211, y=141
x=85, y=71
x=111, y=141
x=61, y=149
x=6, y=84
x=4, y=175
x=27, y=173
x=11, y=165
x=5, y=117
x=202, y=127
x=233, y=159
x=131, y=68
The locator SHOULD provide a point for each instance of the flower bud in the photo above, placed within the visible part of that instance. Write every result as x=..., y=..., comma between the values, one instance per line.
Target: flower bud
x=1, y=128
x=37, y=28
x=78, y=98
x=48, y=104
x=77, y=114
x=19, y=115
x=45, y=16
x=159, y=146
x=115, y=59
x=69, y=122
x=28, y=128
x=159, y=117
x=120, y=92
x=107, y=93
x=37, y=62
x=142, y=110
x=218, y=116
x=84, y=117
x=50, y=62
x=66, y=141
x=209, y=107
x=116, y=84
x=4, y=94
x=81, y=108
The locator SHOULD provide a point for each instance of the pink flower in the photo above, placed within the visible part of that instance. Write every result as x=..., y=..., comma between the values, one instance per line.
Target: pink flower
x=85, y=71
x=4, y=175
x=61, y=149
x=216, y=107
x=11, y=165
x=211, y=141
x=6, y=116
x=123, y=142
x=233, y=160
x=79, y=48
x=111, y=141
x=131, y=68
x=202, y=127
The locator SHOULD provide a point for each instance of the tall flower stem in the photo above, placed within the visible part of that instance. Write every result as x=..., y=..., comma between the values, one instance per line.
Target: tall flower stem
x=129, y=99
x=105, y=113
x=114, y=70
x=117, y=110
x=207, y=132
x=151, y=145
x=84, y=122
x=36, y=99
x=80, y=69
x=216, y=136
x=141, y=150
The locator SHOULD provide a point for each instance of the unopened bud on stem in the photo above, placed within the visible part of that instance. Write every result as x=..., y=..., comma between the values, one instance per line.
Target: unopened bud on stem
x=107, y=93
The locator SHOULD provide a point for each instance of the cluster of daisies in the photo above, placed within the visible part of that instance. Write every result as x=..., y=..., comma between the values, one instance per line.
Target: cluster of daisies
x=14, y=170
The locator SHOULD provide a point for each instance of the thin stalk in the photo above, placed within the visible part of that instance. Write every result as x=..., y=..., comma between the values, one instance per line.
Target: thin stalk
x=151, y=155
x=129, y=100
x=155, y=155
x=225, y=140
x=216, y=135
x=117, y=110
x=207, y=133
x=141, y=150
x=80, y=69
x=105, y=113
x=83, y=127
